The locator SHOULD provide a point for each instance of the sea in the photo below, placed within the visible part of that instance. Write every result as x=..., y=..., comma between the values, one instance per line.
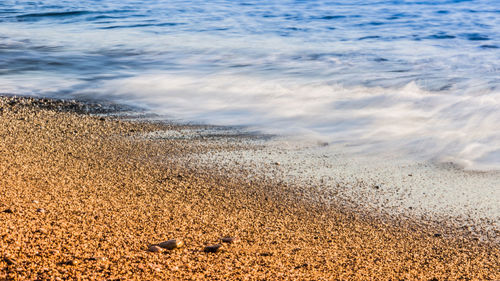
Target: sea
x=415, y=78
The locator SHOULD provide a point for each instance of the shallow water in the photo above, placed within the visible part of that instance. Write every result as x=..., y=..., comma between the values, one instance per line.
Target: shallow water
x=418, y=79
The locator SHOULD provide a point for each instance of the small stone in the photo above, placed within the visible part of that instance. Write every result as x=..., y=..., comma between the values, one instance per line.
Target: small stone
x=40, y=210
x=301, y=266
x=171, y=244
x=376, y=186
x=277, y=163
x=8, y=211
x=71, y=262
x=97, y=259
x=437, y=234
x=229, y=240
x=212, y=248
x=155, y=249
x=35, y=201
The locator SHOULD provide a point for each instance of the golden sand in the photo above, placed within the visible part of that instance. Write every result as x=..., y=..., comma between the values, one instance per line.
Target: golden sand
x=82, y=199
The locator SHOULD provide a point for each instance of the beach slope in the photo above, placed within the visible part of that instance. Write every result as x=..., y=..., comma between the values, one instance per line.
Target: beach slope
x=83, y=197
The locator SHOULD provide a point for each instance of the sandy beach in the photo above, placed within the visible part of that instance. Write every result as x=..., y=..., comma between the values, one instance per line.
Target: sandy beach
x=84, y=197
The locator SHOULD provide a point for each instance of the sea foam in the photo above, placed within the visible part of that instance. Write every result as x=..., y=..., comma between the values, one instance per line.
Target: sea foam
x=439, y=126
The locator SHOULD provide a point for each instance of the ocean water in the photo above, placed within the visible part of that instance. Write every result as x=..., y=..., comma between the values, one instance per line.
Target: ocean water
x=419, y=79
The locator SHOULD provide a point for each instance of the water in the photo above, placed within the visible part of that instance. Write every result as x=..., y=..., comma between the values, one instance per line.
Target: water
x=419, y=79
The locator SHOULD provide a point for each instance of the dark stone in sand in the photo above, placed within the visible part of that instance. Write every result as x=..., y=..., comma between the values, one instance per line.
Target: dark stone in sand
x=437, y=234
x=8, y=211
x=229, y=240
x=171, y=244
x=301, y=266
x=213, y=248
x=97, y=259
x=70, y=262
x=155, y=249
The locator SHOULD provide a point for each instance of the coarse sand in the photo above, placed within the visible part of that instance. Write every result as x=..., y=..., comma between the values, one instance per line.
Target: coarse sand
x=82, y=198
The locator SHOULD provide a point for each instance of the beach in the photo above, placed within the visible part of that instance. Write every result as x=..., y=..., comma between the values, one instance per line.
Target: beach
x=85, y=195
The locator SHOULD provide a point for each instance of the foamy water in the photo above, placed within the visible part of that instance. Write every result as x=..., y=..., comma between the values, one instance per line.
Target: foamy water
x=439, y=126
x=416, y=79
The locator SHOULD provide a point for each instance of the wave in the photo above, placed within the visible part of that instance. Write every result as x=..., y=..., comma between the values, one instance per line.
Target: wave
x=142, y=25
x=439, y=126
x=53, y=14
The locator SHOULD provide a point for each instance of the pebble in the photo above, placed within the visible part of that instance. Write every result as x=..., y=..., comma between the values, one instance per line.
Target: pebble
x=8, y=211
x=155, y=249
x=98, y=259
x=171, y=244
x=301, y=266
x=229, y=240
x=212, y=248
x=71, y=262
x=40, y=210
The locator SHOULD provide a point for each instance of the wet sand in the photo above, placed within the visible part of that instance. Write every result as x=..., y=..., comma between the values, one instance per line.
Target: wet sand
x=84, y=197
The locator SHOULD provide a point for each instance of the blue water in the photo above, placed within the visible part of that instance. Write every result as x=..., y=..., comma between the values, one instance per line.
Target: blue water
x=418, y=78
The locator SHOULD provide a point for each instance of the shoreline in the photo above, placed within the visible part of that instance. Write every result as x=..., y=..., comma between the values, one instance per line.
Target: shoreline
x=392, y=192
x=107, y=194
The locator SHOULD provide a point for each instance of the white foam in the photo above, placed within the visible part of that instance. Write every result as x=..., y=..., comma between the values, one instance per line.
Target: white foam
x=444, y=126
